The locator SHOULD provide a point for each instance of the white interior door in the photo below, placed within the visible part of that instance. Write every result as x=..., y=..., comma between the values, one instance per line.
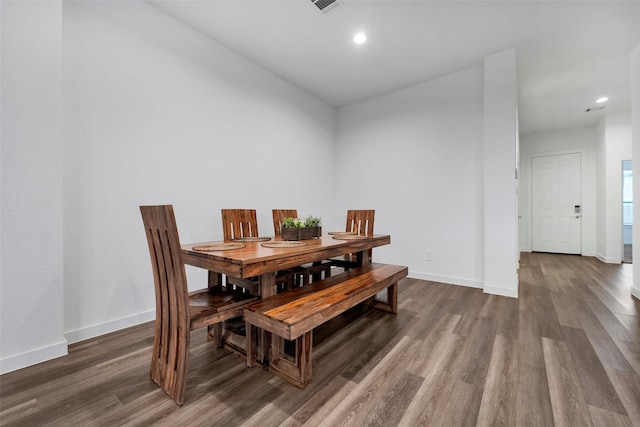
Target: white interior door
x=556, y=207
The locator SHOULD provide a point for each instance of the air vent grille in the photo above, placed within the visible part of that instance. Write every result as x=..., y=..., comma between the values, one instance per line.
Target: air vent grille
x=326, y=5
x=600, y=108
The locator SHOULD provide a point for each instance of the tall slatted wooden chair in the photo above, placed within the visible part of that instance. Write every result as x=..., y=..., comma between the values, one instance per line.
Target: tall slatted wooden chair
x=238, y=223
x=360, y=222
x=178, y=312
x=285, y=279
x=279, y=215
x=302, y=275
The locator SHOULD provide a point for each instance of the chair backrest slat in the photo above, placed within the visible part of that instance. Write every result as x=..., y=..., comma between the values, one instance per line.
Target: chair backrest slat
x=360, y=221
x=238, y=223
x=279, y=215
x=172, y=295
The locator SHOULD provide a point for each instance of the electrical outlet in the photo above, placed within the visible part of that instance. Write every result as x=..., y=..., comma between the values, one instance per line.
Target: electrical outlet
x=429, y=256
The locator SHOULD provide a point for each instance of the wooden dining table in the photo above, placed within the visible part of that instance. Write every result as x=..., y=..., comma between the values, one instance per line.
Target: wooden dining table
x=256, y=260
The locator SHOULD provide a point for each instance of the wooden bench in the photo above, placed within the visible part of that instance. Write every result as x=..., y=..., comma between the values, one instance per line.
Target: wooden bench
x=293, y=315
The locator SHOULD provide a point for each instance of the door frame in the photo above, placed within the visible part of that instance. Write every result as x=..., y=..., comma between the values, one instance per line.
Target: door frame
x=528, y=205
x=622, y=257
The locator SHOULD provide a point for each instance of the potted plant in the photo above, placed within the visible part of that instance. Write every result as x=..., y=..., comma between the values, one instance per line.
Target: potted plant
x=298, y=229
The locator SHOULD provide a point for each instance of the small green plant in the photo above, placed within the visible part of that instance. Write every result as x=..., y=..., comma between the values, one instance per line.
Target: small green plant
x=310, y=221
x=291, y=223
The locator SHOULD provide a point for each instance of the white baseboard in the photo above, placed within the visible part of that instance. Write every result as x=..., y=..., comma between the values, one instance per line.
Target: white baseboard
x=446, y=279
x=609, y=260
x=33, y=357
x=108, y=327
x=497, y=290
x=635, y=292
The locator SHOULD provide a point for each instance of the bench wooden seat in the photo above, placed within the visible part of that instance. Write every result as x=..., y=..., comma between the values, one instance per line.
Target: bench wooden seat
x=293, y=315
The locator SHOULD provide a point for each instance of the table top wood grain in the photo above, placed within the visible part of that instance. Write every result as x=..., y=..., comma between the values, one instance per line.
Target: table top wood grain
x=255, y=259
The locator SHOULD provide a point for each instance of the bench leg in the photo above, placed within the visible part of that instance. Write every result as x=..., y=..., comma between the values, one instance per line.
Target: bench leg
x=251, y=334
x=296, y=370
x=391, y=306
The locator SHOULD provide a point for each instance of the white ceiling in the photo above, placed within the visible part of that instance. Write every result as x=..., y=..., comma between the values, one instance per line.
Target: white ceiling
x=569, y=52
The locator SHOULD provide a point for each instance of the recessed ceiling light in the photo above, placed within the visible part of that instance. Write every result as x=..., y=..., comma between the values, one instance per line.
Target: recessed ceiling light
x=360, y=38
x=601, y=100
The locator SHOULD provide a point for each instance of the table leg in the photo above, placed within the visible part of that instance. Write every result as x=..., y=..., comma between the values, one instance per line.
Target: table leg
x=267, y=289
x=214, y=332
x=215, y=279
x=267, y=285
x=363, y=257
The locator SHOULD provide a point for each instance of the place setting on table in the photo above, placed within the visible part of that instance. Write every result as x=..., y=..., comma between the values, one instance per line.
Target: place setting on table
x=236, y=243
x=239, y=243
x=268, y=242
x=347, y=235
x=218, y=246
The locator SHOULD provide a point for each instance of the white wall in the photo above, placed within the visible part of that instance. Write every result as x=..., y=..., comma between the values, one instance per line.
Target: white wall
x=158, y=113
x=614, y=146
x=154, y=112
x=576, y=140
x=414, y=156
x=31, y=196
x=499, y=182
x=635, y=132
x=601, y=186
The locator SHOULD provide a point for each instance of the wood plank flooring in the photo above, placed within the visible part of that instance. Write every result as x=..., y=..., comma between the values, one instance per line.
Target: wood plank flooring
x=566, y=353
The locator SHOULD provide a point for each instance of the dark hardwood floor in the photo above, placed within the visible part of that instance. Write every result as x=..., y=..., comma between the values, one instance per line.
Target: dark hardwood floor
x=627, y=253
x=566, y=353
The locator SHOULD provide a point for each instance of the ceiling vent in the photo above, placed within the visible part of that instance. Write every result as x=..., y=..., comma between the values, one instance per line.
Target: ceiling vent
x=326, y=5
x=588, y=110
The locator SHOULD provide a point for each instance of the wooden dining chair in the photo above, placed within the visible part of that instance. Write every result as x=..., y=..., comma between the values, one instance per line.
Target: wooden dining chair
x=238, y=223
x=360, y=222
x=178, y=311
x=303, y=274
x=279, y=215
